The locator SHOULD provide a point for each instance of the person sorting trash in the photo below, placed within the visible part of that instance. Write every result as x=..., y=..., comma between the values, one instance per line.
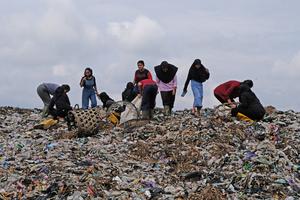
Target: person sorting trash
x=61, y=102
x=250, y=105
x=228, y=91
x=148, y=91
x=45, y=92
x=129, y=94
x=166, y=80
x=106, y=100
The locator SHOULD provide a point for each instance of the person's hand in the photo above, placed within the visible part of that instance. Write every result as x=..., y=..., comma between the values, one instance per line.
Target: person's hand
x=174, y=92
x=232, y=105
x=139, y=95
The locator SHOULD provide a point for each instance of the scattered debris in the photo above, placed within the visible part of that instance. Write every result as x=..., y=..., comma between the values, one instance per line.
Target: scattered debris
x=177, y=157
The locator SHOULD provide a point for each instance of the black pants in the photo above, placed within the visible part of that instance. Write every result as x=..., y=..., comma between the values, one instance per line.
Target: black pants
x=59, y=113
x=168, y=98
x=149, y=96
x=254, y=112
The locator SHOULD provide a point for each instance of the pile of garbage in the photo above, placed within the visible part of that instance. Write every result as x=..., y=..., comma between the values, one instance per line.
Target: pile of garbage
x=178, y=157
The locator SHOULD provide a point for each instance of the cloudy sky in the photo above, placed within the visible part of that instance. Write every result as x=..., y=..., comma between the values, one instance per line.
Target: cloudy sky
x=54, y=40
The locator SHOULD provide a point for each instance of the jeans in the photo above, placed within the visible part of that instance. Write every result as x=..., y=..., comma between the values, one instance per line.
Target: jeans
x=88, y=94
x=197, y=88
x=45, y=96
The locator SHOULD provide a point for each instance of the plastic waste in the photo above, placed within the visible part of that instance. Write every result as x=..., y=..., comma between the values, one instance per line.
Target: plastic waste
x=177, y=157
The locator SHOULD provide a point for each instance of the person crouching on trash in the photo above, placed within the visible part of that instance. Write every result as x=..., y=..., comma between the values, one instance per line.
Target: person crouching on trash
x=106, y=100
x=250, y=105
x=45, y=91
x=166, y=80
x=88, y=82
x=147, y=91
x=61, y=102
x=129, y=93
x=228, y=91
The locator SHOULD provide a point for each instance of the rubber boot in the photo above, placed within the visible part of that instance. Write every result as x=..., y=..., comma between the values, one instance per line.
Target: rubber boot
x=45, y=112
x=151, y=113
x=167, y=110
x=146, y=114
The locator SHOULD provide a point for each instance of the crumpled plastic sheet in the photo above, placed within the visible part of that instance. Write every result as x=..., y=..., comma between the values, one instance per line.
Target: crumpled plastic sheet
x=177, y=157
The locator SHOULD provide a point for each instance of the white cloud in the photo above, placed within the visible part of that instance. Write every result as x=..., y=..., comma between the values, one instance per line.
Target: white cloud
x=54, y=40
x=59, y=70
x=289, y=68
x=138, y=34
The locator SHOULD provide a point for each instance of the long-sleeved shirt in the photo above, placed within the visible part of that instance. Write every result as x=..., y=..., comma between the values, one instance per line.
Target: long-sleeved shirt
x=145, y=82
x=60, y=100
x=197, y=74
x=228, y=90
x=166, y=87
x=51, y=87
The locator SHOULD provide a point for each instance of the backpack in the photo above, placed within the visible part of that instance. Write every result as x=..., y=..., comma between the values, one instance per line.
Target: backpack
x=204, y=74
x=207, y=74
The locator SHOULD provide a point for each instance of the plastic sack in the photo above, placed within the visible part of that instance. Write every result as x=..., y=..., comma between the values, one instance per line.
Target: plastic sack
x=131, y=112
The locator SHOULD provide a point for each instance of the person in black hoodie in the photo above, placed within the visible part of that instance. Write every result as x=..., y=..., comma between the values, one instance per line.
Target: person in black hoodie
x=106, y=100
x=197, y=75
x=129, y=94
x=166, y=80
x=249, y=104
x=61, y=102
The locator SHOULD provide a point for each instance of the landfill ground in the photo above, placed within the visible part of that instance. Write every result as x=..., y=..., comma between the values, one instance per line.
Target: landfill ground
x=213, y=157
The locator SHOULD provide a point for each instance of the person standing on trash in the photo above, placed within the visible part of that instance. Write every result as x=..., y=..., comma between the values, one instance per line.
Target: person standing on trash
x=226, y=92
x=140, y=74
x=147, y=91
x=88, y=82
x=129, y=94
x=166, y=80
x=45, y=91
x=250, y=105
x=61, y=102
x=197, y=75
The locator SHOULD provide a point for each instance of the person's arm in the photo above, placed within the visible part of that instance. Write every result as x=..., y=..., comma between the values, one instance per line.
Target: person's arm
x=140, y=87
x=149, y=75
x=67, y=103
x=174, y=85
x=134, y=79
x=95, y=86
x=123, y=95
x=187, y=81
x=82, y=81
x=157, y=80
x=227, y=93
